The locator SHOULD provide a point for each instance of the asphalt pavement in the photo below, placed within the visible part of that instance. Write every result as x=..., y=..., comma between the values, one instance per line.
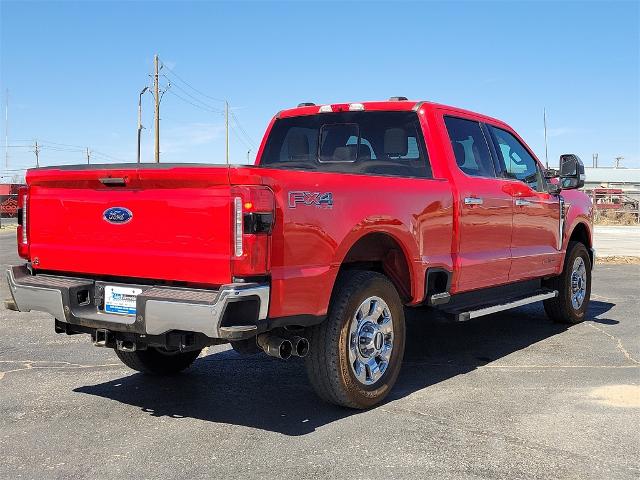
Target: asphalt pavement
x=506, y=396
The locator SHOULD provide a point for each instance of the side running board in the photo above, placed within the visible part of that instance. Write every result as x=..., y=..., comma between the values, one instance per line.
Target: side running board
x=480, y=311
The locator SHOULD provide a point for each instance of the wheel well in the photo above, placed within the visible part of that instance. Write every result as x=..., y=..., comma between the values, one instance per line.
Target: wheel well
x=381, y=253
x=581, y=234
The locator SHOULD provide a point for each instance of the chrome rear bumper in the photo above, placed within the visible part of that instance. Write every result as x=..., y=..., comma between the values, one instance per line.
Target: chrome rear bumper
x=159, y=309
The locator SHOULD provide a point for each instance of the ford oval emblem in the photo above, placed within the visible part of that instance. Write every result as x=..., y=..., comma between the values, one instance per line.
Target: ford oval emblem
x=117, y=215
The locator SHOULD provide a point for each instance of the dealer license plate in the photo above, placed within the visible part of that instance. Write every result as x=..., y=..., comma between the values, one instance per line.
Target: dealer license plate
x=120, y=300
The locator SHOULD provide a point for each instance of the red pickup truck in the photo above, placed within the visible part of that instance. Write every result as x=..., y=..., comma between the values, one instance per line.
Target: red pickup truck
x=351, y=213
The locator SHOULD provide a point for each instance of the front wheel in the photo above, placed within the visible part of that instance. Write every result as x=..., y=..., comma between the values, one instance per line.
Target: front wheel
x=573, y=286
x=356, y=353
x=158, y=361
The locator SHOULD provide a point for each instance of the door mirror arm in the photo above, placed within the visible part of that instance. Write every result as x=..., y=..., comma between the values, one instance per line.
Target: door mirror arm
x=554, y=188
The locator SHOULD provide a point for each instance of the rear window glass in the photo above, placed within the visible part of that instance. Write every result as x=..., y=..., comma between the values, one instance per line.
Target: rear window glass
x=374, y=143
x=470, y=147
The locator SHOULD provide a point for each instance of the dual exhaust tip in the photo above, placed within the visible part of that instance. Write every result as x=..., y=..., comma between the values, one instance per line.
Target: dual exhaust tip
x=283, y=348
x=272, y=345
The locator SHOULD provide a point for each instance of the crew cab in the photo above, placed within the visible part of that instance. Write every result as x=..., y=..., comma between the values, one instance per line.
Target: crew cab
x=352, y=213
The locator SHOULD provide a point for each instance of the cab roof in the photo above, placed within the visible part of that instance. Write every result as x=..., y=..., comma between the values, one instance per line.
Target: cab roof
x=386, y=105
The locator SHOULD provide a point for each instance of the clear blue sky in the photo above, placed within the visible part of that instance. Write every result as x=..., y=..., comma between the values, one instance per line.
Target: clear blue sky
x=74, y=70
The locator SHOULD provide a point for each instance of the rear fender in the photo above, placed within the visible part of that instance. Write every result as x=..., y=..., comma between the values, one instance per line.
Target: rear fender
x=401, y=236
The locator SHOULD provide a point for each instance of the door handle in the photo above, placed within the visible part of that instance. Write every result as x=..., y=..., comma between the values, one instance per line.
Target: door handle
x=522, y=203
x=473, y=201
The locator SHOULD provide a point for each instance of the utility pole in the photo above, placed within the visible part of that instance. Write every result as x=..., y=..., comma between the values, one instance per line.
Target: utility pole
x=546, y=152
x=595, y=160
x=157, y=110
x=226, y=127
x=37, y=152
x=618, y=160
x=140, y=127
x=88, y=156
x=6, y=130
x=248, y=155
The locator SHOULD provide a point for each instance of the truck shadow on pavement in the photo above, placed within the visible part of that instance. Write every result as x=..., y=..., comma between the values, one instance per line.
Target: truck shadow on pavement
x=264, y=393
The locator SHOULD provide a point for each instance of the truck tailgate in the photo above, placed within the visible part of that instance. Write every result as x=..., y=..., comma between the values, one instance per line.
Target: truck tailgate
x=179, y=228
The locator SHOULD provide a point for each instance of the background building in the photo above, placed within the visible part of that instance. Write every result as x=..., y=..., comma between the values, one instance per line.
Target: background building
x=625, y=179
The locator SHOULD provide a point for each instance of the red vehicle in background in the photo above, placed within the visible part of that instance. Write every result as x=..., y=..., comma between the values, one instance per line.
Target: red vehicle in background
x=352, y=213
x=9, y=199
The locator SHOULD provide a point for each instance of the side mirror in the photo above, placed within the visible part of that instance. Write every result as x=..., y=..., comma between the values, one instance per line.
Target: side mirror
x=571, y=172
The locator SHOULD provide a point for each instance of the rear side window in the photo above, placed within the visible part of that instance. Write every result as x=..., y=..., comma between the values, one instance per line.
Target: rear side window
x=470, y=147
x=373, y=143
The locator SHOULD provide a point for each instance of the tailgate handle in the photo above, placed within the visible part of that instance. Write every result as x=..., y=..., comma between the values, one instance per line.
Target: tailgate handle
x=113, y=181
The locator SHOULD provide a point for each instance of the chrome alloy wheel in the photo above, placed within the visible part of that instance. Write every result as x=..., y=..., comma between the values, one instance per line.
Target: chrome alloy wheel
x=370, y=340
x=578, y=283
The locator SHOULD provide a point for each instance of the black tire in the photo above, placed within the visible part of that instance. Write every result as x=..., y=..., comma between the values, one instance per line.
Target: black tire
x=328, y=366
x=158, y=361
x=560, y=309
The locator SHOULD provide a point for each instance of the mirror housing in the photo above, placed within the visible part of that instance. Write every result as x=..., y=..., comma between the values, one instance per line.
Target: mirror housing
x=571, y=171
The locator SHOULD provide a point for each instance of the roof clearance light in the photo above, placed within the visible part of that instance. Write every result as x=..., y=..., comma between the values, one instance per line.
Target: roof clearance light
x=325, y=109
x=356, y=107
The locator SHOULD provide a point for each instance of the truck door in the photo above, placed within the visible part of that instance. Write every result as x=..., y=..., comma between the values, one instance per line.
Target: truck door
x=483, y=249
x=535, y=249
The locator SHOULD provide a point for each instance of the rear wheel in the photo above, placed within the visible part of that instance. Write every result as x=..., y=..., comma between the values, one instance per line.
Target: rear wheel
x=158, y=361
x=356, y=354
x=573, y=286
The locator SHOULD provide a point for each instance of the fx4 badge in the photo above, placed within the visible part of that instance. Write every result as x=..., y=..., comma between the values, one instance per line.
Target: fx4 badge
x=317, y=199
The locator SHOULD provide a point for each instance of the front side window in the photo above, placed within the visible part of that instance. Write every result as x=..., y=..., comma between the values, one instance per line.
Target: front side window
x=374, y=143
x=470, y=147
x=515, y=159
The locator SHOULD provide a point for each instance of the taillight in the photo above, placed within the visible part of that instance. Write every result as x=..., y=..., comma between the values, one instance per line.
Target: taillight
x=23, y=222
x=253, y=216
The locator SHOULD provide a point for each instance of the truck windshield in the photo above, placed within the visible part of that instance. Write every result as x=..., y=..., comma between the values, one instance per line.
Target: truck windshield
x=374, y=143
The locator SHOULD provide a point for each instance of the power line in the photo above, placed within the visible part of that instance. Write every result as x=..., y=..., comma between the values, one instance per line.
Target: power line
x=233, y=130
x=60, y=144
x=244, y=132
x=193, y=97
x=206, y=109
x=191, y=86
x=56, y=146
x=237, y=129
x=109, y=157
x=71, y=149
x=60, y=149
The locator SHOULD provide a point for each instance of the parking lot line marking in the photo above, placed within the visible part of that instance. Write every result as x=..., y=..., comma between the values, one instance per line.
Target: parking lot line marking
x=29, y=365
x=619, y=344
